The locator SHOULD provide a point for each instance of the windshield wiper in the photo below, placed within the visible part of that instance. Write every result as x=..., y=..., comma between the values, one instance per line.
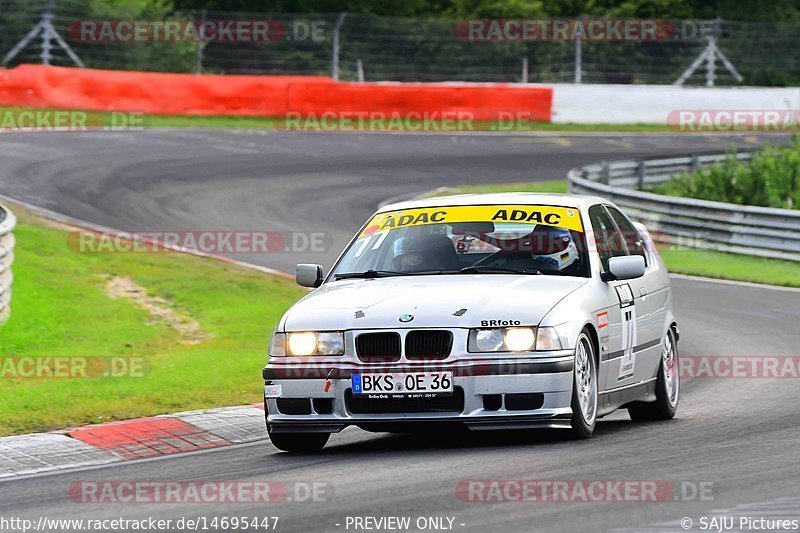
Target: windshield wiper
x=368, y=274
x=488, y=269
x=385, y=274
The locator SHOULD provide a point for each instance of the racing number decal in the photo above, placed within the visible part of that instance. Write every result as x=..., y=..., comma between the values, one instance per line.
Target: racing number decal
x=628, y=309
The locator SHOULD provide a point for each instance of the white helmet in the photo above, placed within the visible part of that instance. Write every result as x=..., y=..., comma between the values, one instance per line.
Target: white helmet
x=553, y=247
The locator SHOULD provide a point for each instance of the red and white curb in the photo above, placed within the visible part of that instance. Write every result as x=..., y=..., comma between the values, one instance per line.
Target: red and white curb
x=131, y=439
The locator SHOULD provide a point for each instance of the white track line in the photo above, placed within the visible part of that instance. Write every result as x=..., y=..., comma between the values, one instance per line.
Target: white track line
x=735, y=283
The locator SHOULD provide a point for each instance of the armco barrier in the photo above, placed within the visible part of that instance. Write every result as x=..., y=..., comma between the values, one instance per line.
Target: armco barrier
x=740, y=229
x=7, y=223
x=190, y=94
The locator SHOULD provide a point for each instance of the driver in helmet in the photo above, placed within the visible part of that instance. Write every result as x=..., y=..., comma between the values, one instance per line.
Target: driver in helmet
x=552, y=248
x=546, y=248
x=424, y=252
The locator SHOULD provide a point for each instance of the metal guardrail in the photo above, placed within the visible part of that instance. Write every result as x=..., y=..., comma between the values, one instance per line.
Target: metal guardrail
x=7, y=223
x=741, y=229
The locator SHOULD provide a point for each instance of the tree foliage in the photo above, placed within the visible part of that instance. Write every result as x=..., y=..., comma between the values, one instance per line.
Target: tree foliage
x=741, y=10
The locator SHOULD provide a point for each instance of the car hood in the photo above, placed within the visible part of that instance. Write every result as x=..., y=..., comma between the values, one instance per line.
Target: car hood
x=450, y=301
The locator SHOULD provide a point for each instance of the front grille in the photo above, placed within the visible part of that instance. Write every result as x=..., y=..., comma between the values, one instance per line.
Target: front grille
x=429, y=344
x=360, y=405
x=378, y=347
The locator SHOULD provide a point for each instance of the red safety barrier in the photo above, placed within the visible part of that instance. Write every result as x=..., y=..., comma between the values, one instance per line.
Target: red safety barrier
x=481, y=101
x=189, y=94
x=147, y=92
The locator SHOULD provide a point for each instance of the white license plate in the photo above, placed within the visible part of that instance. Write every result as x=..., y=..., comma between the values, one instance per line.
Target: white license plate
x=405, y=383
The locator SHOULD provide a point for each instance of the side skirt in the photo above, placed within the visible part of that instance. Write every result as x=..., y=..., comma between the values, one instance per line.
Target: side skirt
x=613, y=399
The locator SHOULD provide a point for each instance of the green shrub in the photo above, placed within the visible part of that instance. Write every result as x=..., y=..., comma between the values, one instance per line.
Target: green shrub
x=771, y=179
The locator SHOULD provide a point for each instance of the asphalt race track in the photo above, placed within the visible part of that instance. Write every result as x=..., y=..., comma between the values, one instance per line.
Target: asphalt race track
x=208, y=180
x=738, y=436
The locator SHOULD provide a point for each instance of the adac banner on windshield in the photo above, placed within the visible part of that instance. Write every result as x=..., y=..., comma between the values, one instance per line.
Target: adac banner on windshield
x=562, y=217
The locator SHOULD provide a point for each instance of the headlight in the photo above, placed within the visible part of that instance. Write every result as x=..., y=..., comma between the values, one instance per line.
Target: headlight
x=513, y=340
x=489, y=340
x=330, y=343
x=302, y=343
x=277, y=347
x=547, y=339
x=520, y=339
x=306, y=343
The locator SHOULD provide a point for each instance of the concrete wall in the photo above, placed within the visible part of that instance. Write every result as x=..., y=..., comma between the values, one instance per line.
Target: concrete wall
x=652, y=104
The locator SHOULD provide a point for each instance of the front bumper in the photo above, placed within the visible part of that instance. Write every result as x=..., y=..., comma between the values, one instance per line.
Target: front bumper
x=547, y=377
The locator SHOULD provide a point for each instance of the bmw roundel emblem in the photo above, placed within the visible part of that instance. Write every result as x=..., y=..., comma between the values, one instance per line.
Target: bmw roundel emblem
x=406, y=318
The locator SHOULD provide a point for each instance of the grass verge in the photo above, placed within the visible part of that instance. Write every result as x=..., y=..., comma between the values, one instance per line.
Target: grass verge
x=692, y=262
x=61, y=307
x=560, y=186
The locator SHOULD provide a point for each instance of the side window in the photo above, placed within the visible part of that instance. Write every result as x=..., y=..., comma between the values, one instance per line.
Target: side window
x=607, y=238
x=630, y=235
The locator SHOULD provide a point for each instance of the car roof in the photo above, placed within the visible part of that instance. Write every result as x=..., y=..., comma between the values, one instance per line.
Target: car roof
x=576, y=201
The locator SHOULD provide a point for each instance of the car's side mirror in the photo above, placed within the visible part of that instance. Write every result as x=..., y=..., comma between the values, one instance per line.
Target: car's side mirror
x=626, y=267
x=307, y=275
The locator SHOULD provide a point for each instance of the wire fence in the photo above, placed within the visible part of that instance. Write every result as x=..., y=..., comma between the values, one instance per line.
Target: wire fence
x=358, y=47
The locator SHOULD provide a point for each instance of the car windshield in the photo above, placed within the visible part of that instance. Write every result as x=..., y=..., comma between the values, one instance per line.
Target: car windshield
x=484, y=239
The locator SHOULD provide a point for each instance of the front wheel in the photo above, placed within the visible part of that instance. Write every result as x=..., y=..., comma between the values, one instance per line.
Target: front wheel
x=299, y=442
x=584, y=390
x=668, y=386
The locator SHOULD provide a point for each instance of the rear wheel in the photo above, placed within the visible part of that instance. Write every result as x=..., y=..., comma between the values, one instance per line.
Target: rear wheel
x=667, y=386
x=299, y=442
x=584, y=390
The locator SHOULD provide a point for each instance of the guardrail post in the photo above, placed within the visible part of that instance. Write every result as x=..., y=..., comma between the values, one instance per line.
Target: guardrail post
x=605, y=174
x=695, y=163
x=198, y=45
x=360, y=70
x=7, y=223
x=640, y=173
x=335, y=52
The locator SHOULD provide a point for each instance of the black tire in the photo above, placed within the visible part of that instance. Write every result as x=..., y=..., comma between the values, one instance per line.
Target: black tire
x=666, y=404
x=299, y=442
x=583, y=424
